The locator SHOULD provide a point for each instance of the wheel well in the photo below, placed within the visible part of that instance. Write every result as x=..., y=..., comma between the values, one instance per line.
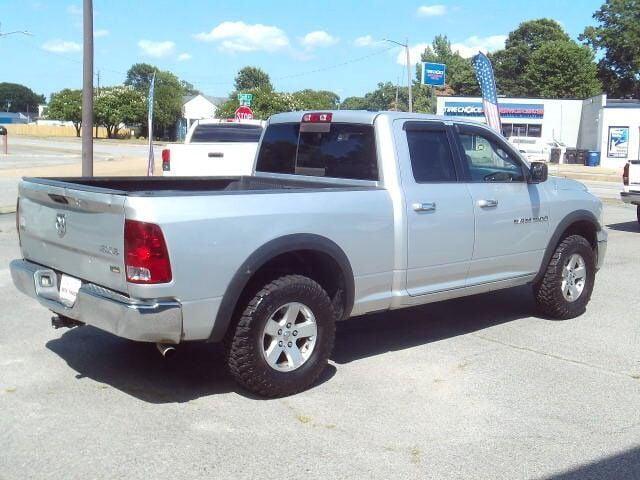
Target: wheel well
x=585, y=229
x=319, y=266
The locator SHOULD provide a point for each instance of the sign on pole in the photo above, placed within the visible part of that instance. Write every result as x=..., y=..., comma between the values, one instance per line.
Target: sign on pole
x=244, y=113
x=245, y=99
x=150, y=124
x=434, y=74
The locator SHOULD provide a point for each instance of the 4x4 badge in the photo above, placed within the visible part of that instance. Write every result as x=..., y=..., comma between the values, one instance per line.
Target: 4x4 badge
x=61, y=224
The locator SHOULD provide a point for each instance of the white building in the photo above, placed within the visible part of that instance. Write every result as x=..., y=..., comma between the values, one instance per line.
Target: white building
x=199, y=107
x=608, y=126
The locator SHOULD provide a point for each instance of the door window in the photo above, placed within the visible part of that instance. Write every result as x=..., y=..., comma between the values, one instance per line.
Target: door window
x=431, y=157
x=488, y=161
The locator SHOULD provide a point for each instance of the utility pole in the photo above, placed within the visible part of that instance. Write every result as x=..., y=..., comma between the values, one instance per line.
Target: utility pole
x=406, y=48
x=87, y=89
x=97, y=93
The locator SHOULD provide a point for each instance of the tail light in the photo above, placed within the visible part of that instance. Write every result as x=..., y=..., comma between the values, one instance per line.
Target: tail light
x=166, y=160
x=317, y=117
x=145, y=253
x=625, y=174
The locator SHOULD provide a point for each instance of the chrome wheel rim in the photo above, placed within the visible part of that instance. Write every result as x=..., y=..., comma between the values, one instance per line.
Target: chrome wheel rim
x=574, y=278
x=289, y=337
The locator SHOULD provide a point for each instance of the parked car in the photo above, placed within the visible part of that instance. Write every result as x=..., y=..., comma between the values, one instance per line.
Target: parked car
x=214, y=148
x=345, y=213
x=631, y=182
x=537, y=149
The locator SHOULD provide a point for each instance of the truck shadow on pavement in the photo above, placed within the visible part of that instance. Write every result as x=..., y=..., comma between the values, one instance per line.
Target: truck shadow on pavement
x=198, y=369
x=396, y=330
x=625, y=227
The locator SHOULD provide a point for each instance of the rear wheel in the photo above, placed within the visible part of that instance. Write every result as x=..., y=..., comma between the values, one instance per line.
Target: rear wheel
x=566, y=287
x=282, y=341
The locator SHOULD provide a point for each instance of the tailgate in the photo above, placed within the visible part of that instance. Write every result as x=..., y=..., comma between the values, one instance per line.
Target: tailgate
x=213, y=159
x=77, y=232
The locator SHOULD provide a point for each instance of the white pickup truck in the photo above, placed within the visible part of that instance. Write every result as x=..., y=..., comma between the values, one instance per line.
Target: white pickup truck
x=346, y=213
x=214, y=148
x=631, y=182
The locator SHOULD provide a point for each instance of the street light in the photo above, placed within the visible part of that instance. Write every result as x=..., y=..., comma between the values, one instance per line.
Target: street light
x=20, y=32
x=406, y=48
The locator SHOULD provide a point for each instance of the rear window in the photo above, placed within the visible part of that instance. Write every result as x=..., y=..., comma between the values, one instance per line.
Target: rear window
x=226, y=132
x=346, y=151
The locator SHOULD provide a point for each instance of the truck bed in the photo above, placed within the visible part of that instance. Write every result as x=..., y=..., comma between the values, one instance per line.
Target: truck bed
x=172, y=186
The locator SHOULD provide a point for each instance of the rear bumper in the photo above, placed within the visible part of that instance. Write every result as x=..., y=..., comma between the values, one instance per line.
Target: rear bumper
x=630, y=197
x=141, y=320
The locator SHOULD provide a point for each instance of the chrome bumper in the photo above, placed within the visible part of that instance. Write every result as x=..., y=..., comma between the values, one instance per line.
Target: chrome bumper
x=142, y=320
x=631, y=197
x=602, y=247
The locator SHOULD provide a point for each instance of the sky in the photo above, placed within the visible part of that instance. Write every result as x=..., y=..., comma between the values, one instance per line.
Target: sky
x=333, y=45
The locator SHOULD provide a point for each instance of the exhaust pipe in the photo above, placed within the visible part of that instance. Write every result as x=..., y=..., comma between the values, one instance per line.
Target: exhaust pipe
x=167, y=351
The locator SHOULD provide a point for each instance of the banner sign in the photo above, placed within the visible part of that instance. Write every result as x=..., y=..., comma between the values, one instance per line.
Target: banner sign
x=507, y=110
x=434, y=74
x=618, y=145
x=150, y=124
x=486, y=80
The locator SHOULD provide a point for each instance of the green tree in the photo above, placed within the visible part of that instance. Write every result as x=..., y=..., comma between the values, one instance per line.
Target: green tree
x=188, y=88
x=382, y=98
x=18, y=98
x=316, y=99
x=66, y=105
x=562, y=69
x=511, y=63
x=265, y=103
x=460, y=78
x=354, y=103
x=168, y=94
x=617, y=37
x=118, y=105
x=249, y=78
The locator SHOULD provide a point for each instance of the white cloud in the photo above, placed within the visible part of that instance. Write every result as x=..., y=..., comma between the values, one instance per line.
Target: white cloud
x=100, y=33
x=475, y=44
x=74, y=9
x=157, y=49
x=414, y=54
x=431, y=10
x=242, y=37
x=61, y=46
x=364, y=41
x=319, y=38
x=466, y=49
x=183, y=57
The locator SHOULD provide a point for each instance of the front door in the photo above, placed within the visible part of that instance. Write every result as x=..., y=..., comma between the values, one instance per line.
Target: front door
x=439, y=209
x=511, y=215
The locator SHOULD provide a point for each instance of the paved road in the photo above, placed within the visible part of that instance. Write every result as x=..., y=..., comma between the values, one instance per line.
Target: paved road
x=475, y=388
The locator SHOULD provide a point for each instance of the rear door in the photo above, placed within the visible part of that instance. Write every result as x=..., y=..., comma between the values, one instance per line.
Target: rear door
x=439, y=209
x=80, y=233
x=511, y=215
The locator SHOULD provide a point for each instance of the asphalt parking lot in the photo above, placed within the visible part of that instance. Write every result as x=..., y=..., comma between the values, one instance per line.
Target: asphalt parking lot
x=473, y=388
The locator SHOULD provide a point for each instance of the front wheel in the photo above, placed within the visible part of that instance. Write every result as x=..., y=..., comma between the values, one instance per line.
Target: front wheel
x=566, y=287
x=282, y=342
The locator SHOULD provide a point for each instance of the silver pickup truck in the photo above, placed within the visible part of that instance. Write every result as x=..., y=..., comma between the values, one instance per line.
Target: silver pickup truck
x=346, y=213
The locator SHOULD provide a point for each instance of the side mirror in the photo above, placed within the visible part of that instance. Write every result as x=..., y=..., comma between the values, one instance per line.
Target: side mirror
x=538, y=172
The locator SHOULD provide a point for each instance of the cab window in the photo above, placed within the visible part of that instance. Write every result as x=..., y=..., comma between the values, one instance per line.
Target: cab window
x=488, y=160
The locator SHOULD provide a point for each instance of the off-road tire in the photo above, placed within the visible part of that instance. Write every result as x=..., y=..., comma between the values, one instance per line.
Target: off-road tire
x=245, y=358
x=548, y=291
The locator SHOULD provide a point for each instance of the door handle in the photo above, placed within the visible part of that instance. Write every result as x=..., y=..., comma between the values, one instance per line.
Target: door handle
x=487, y=203
x=215, y=155
x=424, y=207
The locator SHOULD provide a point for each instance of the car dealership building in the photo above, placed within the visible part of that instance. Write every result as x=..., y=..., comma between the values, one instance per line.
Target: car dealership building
x=608, y=126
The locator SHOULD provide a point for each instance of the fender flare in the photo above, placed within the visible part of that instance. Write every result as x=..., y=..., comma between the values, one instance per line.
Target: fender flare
x=268, y=251
x=563, y=225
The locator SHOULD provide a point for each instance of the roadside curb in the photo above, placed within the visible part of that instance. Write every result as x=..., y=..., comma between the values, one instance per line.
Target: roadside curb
x=7, y=209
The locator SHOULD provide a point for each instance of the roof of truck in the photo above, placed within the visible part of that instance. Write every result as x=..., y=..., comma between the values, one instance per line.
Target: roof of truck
x=362, y=116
